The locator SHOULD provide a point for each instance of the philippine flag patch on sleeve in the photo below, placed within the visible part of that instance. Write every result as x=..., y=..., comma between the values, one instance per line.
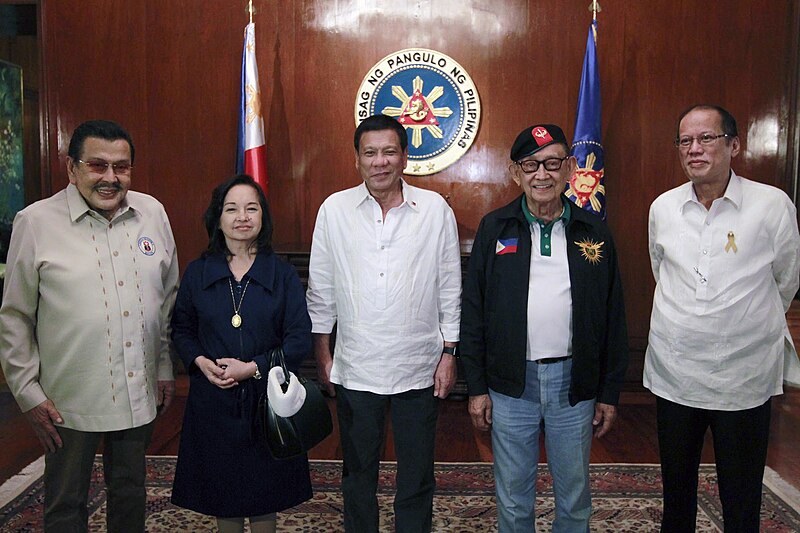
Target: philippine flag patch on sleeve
x=506, y=246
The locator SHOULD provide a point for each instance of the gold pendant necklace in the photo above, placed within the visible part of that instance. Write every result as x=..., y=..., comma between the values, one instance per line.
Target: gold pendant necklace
x=236, y=319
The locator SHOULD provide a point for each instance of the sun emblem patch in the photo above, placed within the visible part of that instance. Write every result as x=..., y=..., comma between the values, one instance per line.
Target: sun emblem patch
x=432, y=96
x=590, y=250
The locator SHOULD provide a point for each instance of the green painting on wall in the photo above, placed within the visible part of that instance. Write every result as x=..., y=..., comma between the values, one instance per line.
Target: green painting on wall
x=12, y=194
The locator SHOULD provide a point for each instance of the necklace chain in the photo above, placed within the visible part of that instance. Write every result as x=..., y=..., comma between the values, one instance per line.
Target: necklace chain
x=236, y=319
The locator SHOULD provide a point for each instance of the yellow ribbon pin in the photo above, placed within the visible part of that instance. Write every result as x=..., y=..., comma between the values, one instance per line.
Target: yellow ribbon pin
x=731, y=243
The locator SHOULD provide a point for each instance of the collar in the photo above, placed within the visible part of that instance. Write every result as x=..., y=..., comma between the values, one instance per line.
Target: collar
x=78, y=207
x=733, y=193
x=513, y=210
x=410, y=195
x=262, y=271
x=565, y=213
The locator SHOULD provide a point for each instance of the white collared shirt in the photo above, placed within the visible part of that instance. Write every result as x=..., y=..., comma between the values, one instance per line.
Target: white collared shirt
x=391, y=285
x=724, y=280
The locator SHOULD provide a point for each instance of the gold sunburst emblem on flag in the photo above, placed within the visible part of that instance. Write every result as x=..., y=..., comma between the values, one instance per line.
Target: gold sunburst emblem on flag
x=253, y=103
x=585, y=184
x=591, y=251
x=417, y=111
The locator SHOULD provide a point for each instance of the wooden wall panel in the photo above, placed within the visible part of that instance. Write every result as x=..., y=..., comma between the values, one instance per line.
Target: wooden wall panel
x=93, y=68
x=169, y=71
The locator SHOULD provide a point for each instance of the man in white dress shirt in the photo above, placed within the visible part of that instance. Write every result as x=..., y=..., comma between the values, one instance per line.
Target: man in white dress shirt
x=725, y=254
x=386, y=270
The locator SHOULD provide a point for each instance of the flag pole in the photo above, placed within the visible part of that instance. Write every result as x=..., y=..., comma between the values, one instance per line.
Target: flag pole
x=586, y=187
x=594, y=7
x=251, y=149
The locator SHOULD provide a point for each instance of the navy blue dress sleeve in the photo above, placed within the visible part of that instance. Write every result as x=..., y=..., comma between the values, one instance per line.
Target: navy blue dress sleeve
x=184, y=318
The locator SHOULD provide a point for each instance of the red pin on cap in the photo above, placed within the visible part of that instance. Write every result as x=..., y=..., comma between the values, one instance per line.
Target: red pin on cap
x=541, y=135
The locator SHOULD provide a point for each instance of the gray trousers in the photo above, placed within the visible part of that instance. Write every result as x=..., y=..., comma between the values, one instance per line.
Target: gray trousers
x=68, y=471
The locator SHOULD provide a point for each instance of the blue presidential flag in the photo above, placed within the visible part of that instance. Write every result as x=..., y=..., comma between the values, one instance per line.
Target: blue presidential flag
x=586, y=188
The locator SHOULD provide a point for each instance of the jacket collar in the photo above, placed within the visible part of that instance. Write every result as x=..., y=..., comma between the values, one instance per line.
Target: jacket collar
x=262, y=271
x=513, y=210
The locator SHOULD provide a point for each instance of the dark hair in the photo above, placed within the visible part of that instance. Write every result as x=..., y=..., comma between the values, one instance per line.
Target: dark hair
x=102, y=129
x=216, y=239
x=380, y=123
x=728, y=122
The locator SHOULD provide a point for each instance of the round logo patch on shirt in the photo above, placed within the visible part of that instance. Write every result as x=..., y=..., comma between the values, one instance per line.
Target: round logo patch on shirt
x=147, y=246
x=432, y=96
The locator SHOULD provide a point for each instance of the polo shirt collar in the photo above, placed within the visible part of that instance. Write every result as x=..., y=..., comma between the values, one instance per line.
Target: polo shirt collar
x=565, y=213
x=546, y=233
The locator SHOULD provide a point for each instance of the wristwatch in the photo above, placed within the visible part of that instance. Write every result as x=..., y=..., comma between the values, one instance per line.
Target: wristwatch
x=257, y=375
x=452, y=350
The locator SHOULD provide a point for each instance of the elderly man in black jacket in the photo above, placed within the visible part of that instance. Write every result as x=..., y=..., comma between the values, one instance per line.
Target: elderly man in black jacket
x=543, y=335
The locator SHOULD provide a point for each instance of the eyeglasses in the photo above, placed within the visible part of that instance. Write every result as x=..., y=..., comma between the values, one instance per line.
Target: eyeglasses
x=99, y=166
x=705, y=139
x=551, y=163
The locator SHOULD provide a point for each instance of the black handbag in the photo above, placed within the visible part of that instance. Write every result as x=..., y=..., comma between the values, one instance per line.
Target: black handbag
x=291, y=436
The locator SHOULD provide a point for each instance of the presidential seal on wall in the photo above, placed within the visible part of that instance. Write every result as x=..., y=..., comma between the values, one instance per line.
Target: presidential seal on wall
x=432, y=96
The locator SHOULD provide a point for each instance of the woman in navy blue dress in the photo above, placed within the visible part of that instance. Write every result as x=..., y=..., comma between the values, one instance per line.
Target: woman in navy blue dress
x=235, y=303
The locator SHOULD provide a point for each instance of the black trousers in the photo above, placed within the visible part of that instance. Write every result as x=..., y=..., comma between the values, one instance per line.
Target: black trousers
x=68, y=471
x=740, y=447
x=361, y=426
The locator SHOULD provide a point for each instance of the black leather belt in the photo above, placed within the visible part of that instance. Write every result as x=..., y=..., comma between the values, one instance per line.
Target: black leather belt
x=551, y=360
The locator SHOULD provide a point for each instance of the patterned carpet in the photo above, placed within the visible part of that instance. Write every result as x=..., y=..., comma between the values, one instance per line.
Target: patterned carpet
x=626, y=498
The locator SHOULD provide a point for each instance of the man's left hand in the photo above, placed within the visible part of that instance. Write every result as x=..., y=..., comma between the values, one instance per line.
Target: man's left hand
x=166, y=392
x=445, y=377
x=604, y=416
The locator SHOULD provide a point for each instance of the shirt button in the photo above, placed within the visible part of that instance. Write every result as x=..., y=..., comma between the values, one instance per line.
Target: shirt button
x=381, y=274
x=130, y=374
x=110, y=226
x=547, y=246
x=128, y=344
x=383, y=247
x=120, y=283
x=116, y=253
x=125, y=313
x=705, y=252
x=546, y=234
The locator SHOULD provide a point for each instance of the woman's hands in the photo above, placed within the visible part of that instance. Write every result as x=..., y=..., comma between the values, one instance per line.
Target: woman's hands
x=214, y=373
x=237, y=370
x=225, y=372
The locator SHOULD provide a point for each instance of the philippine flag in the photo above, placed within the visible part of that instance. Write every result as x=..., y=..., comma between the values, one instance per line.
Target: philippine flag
x=506, y=246
x=251, y=149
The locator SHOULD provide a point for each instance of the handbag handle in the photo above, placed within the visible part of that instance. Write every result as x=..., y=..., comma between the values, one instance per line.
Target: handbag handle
x=276, y=358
